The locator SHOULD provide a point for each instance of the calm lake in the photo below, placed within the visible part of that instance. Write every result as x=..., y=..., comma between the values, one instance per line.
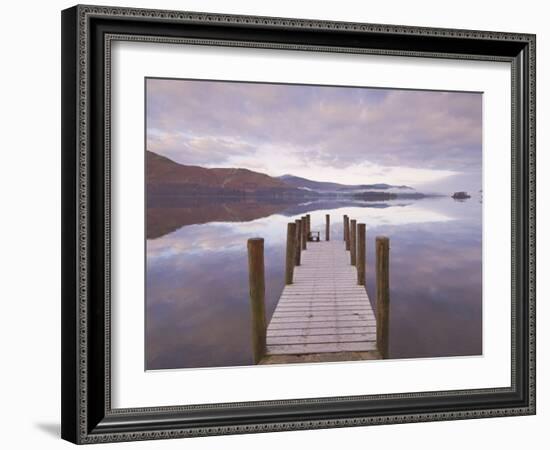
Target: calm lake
x=197, y=305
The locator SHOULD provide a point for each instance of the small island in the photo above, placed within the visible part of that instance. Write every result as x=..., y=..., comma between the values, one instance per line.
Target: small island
x=460, y=195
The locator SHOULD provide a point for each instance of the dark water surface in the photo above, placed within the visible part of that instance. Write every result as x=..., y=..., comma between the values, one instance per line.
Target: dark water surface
x=197, y=306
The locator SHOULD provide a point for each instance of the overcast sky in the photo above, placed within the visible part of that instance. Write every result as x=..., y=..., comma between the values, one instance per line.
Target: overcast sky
x=429, y=140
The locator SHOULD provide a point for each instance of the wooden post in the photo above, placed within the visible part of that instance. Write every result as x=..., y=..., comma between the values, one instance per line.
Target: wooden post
x=256, y=283
x=304, y=233
x=344, y=228
x=382, y=294
x=298, y=243
x=346, y=231
x=308, y=217
x=327, y=227
x=361, y=255
x=290, y=243
x=353, y=241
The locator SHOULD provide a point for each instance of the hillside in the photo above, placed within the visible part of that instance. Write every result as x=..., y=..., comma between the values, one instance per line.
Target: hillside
x=304, y=183
x=324, y=186
x=165, y=176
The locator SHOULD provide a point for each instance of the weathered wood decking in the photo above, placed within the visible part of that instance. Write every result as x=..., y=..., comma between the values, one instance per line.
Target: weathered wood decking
x=324, y=314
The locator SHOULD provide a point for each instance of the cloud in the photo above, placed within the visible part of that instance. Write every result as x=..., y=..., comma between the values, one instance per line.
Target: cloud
x=312, y=129
x=200, y=150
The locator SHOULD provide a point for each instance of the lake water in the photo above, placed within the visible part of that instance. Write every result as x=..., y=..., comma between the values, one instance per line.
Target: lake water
x=197, y=305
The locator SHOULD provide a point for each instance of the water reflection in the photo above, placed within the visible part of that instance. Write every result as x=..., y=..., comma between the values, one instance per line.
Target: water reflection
x=198, y=312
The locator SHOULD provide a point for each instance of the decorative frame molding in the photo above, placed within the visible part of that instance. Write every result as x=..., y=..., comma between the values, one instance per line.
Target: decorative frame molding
x=87, y=34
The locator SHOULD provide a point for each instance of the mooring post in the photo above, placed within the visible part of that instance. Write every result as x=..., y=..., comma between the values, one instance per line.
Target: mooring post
x=304, y=232
x=346, y=231
x=361, y=256
x=290, y=259
x=382, y=294
x=327, y=227
x=298, y=243
x=353, y=241
x=344, y=228
x=256, y=283
x=308, y=217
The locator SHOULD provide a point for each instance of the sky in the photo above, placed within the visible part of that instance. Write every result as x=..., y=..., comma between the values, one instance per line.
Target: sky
x=430, y=140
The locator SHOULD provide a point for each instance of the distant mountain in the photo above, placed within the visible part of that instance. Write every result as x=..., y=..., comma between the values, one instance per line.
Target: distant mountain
x=304, y=183
x=382, y=186
x=165, y=176
x=381, y=195
x=325, y=186
x=168, y=178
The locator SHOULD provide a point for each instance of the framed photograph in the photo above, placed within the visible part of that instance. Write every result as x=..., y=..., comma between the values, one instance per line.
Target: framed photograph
x=279, y=224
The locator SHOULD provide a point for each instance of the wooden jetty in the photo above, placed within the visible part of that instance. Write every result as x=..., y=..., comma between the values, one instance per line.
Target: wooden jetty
x=324, y=312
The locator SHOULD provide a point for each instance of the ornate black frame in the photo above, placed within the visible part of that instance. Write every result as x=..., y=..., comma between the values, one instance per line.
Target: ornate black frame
x=87, y=31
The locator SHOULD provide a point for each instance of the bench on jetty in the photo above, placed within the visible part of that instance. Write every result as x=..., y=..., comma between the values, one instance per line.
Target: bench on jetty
x=324, y=312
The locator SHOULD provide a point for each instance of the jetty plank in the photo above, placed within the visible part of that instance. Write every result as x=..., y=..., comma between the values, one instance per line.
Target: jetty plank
x=324, y=310
x=318, y=331
x=327, y=323
x=322, y=338
x=296, y=349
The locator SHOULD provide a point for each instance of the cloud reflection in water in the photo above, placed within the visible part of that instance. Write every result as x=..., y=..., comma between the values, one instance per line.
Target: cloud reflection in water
x=197, y=308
